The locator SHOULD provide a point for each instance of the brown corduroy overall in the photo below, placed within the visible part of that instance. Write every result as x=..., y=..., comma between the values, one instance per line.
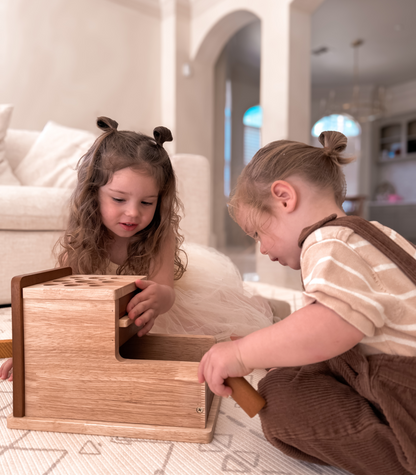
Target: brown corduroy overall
x=353, y=411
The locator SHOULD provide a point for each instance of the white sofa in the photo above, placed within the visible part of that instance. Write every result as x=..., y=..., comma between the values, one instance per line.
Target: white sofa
x=32, y=217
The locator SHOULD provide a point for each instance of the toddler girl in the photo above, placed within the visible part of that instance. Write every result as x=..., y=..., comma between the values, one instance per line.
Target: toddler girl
x=343, y=388
x=124, y=220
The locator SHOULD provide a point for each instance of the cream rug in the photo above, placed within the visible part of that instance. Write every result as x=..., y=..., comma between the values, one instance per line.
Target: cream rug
x=238, y=445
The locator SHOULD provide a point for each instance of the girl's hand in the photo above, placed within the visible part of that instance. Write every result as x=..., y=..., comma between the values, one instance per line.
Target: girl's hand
x=146, y=306
x=6, y=368
x=220, y=362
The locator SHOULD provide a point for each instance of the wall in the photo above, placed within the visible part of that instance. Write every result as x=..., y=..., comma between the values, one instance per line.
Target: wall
x=70, y=61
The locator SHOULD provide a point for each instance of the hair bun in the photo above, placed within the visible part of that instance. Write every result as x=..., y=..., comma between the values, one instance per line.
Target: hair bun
x=333, y=141
x=162, y=135
x=106, y=124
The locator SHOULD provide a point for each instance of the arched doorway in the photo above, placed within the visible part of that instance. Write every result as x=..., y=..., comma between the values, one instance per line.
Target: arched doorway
x=237, y=91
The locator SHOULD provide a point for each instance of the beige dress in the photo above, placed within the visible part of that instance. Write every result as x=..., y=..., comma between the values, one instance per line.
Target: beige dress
x=210, y=299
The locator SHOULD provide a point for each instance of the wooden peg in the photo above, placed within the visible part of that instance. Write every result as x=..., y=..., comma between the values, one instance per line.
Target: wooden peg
x=246, y=396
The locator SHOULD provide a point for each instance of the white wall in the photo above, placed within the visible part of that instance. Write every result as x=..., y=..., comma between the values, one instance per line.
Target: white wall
x=70, y=61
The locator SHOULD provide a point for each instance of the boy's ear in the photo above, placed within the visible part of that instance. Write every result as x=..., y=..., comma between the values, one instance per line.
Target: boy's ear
x=285, y=195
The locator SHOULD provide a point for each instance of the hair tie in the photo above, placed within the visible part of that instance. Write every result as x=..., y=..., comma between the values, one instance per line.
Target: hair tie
x=106, y=124
x=162, y=135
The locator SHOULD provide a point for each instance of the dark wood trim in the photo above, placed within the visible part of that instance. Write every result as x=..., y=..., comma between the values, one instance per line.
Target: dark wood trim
x=18, y=283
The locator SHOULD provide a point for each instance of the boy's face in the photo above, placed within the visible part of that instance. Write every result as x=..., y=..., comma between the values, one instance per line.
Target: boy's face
x=276, y=234
x=128, y=202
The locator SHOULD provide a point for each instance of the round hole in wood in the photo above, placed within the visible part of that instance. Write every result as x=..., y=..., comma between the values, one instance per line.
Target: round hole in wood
x=94, y=285
x=71, y=285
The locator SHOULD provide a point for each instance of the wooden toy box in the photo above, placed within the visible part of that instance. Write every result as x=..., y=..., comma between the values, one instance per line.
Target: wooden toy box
x=77, y=370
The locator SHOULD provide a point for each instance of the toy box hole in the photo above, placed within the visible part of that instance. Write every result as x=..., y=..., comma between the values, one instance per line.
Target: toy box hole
x=189, y=348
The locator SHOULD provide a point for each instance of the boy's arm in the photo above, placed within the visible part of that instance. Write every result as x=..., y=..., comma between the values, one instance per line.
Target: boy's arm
x=312, y=334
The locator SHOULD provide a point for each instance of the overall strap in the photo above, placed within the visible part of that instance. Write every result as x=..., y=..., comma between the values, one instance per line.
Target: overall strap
x=404, y=261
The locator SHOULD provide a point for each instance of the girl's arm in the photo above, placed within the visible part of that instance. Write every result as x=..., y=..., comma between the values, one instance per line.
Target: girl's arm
x=157, y=294
x=312, y=334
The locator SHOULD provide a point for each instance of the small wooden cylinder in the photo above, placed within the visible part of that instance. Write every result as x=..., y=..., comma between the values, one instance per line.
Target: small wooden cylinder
x=245, y=396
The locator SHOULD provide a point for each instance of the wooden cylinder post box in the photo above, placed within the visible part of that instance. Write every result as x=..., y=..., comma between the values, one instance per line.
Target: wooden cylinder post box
x=80, y=367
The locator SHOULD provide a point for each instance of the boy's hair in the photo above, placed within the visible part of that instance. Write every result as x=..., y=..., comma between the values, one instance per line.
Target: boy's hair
x=284, y=158
x=85, y=245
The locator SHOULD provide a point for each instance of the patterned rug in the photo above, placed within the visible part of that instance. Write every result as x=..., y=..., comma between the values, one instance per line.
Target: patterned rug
x=238, y=446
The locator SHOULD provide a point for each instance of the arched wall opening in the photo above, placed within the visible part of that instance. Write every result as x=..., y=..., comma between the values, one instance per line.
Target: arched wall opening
x=237, y=89
x=200, y=104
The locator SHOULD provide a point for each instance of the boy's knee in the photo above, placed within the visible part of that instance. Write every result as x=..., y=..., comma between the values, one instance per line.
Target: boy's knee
x=279, y=416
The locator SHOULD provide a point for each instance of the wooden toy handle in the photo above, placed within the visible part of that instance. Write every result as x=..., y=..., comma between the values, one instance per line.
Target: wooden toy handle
x=245, y=395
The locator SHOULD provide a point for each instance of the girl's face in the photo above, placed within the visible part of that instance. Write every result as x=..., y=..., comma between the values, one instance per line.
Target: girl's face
x=277, y=237
x=128, y=202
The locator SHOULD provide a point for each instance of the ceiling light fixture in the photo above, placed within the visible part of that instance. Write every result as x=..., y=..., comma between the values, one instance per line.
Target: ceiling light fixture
x=365, y=110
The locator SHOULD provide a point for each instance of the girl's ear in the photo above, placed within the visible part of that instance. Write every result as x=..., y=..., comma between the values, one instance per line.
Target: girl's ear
x=285, y=195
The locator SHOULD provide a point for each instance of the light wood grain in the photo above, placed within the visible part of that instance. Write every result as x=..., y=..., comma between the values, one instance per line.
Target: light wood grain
x=86, y=379
x=83, y=287
x=76, y=380
x=125, y=322
x=139, y=431
x=17, y=285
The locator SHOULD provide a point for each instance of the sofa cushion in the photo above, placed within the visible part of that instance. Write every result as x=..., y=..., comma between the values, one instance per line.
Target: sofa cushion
x=54, y=156
x=18, y=143
x=6, y=175
x=29, y=208
x=193, y=174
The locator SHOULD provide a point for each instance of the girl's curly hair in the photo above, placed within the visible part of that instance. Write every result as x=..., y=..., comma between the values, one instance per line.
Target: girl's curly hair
x=85, y=245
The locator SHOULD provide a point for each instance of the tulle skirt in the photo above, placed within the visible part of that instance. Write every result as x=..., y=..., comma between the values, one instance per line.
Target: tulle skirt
x=211, y=300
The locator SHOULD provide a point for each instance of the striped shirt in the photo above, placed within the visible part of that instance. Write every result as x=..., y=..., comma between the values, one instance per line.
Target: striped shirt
x=349, y=275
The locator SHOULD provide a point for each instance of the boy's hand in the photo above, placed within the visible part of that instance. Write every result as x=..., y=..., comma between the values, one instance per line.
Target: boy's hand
x=6, y=368
x=220, y=362
x=145, y=306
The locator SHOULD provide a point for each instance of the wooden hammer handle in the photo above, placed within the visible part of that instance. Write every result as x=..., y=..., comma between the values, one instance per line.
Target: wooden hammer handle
x=245, y=395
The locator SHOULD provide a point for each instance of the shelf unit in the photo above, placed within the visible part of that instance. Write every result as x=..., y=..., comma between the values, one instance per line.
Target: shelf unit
x=397, y=140
x=394, y=161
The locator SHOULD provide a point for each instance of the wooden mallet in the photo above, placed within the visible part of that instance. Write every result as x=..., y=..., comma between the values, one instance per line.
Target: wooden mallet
x=245, y=396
